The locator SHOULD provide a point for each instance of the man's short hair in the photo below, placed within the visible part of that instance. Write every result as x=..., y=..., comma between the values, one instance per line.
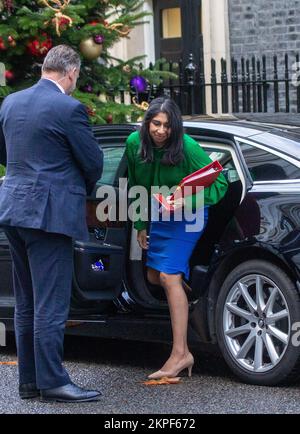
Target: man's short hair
x=61, y=58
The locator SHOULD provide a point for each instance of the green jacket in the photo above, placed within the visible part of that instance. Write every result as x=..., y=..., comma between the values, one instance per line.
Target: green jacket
x=156, y=174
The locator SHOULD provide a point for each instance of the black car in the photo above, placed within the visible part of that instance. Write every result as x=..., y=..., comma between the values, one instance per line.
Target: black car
x=245, y=270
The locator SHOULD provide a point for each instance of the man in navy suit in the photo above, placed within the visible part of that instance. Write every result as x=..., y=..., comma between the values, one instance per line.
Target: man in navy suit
x=52, y=160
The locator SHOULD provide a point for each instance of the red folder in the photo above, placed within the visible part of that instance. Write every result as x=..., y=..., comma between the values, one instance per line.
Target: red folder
x=203, y=177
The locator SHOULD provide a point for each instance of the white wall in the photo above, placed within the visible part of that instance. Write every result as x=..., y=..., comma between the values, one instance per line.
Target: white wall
x=216, y=45
x=140, y=42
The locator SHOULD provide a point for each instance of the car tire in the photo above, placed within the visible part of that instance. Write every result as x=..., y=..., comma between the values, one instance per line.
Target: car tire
x=257, y=314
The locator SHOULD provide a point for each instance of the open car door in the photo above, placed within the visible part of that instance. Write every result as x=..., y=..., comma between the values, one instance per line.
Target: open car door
x=99, y=262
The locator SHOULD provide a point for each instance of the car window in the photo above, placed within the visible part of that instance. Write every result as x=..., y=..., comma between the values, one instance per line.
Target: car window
x=112, y=157
x=265, y=166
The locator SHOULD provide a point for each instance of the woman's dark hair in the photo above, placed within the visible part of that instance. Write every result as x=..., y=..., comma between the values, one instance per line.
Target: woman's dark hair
x=174, y=146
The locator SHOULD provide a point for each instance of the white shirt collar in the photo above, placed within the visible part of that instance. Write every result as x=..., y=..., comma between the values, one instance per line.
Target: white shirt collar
x=57, y=84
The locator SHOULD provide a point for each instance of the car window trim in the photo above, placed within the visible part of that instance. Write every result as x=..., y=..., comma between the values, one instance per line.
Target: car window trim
x=268, y=149
x=279, y=181
x=284, y=186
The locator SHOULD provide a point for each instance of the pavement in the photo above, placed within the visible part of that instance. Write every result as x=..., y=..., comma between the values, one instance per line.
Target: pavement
x=118, y=369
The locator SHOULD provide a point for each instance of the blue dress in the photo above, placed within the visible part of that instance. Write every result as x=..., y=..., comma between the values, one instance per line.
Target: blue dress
x=171, y=243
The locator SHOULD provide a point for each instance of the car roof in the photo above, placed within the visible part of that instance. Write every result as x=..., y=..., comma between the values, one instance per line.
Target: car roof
x=242, y=129
x=285, y=138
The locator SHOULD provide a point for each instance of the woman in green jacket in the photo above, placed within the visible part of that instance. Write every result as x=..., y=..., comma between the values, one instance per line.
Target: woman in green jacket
x=160, y=154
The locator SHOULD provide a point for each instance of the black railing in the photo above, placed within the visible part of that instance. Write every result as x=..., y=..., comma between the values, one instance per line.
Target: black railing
x=266, y=85
x=185, y=90
x=254, y=85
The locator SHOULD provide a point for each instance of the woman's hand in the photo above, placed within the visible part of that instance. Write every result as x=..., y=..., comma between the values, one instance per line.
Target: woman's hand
x=142, y=239
x=178, y=203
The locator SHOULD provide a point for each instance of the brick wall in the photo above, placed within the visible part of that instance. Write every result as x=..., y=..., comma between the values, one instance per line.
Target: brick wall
x=267, y=27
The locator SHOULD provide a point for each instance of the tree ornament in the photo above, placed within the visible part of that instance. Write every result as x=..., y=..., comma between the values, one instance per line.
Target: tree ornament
x=99, y=39
x=124, y=31
x=9, y=5
x=89, y=49
x=41, y=47
x=58, y=7
x=102, y=97
x=9, y=75
x=2, y=44
x=143, y=106
x=90, y=111
x=11, y=41
x=127, y=69
x=88, y=88
x=139, y=83
x=109, y=119
x=120, y=28
x=62, y=24
x=94, y=23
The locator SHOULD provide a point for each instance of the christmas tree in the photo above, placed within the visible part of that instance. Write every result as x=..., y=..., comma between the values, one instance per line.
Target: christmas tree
x=29, y=28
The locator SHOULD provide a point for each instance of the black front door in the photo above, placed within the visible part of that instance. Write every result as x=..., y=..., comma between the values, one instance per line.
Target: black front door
x=178, y=30
x=178, y=33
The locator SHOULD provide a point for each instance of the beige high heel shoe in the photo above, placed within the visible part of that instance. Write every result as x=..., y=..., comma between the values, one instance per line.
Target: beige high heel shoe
x=186, y=363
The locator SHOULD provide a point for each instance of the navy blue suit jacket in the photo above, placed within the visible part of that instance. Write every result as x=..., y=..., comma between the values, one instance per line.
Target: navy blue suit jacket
x=52, y=160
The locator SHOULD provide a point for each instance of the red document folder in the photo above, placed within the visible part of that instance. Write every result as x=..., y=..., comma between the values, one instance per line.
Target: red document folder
x=203, y=177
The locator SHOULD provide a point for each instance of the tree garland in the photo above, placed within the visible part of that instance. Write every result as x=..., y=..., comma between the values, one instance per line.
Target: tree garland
x=59, y=15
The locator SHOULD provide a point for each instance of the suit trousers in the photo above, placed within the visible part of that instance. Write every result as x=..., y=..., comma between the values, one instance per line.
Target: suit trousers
x=42, y=279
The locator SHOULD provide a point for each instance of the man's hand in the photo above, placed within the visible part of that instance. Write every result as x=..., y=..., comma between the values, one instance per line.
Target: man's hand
x=142, y=239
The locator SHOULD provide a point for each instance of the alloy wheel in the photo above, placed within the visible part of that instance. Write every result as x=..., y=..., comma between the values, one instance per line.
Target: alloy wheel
x=256, y=323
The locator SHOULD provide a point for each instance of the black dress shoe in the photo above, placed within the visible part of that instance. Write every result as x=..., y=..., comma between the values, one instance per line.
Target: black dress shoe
x=69, y=393
x=28, y=390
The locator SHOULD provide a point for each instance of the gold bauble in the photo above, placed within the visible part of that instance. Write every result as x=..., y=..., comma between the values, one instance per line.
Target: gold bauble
x=89, y=49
